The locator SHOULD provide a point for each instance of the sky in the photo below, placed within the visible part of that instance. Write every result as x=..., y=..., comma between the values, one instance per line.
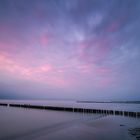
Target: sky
x=70, y=49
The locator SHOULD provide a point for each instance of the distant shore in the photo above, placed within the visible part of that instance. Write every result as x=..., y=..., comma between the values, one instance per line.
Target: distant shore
x=123, y=102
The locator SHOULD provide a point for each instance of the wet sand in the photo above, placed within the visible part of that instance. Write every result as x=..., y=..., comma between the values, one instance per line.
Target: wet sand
x=32, y=124
x=135, y=132
x=107, y=128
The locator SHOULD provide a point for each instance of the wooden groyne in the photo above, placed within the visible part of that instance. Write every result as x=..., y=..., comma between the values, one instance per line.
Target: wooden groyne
x=3, y=104
x=74, y=109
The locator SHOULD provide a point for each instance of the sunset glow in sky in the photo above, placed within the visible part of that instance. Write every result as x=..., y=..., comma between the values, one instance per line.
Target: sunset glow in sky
x=72, y=49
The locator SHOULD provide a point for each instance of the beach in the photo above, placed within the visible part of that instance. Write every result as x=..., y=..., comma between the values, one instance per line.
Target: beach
x=32, y=124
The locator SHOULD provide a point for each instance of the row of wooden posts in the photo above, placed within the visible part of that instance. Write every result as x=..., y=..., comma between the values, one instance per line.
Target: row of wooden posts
x=73, y=109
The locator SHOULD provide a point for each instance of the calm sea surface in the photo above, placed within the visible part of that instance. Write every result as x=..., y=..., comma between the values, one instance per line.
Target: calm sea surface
x=62, y=103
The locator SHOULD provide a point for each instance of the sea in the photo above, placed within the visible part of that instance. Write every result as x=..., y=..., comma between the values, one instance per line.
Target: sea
x=135, y=107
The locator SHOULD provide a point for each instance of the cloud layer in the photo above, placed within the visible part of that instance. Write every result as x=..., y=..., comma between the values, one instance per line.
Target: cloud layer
x=70, y=49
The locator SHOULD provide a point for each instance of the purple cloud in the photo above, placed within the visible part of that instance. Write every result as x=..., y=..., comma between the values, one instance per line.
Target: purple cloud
x=70, y=49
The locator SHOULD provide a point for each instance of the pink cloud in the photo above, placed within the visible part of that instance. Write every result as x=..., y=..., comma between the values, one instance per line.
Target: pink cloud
x=105, y=83
x=42, y=73
x=43, y=39
x=103, y=71
x=44, y=68
x=95, y=50
x=86, y=68
x=106, y=77
x=116, y=24
x=12, y=67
